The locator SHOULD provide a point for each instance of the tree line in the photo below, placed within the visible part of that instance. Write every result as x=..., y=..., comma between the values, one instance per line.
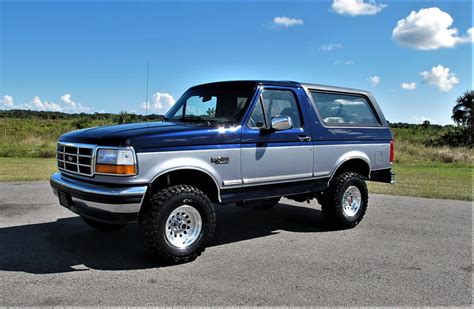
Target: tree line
x=122, y=117
x=459, y=134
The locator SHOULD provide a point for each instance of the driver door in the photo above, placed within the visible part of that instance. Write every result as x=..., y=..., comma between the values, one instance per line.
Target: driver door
x=271, y=157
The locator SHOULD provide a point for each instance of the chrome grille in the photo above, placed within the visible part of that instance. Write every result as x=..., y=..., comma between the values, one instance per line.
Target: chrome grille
x=77, y=159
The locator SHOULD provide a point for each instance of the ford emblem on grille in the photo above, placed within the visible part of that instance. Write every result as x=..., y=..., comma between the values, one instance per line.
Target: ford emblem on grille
x=74, y=159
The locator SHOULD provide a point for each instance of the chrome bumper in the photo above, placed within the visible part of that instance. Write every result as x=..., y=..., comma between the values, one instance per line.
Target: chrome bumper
x=108, y=204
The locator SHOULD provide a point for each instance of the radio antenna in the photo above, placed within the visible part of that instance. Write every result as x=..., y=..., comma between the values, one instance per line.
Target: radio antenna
x=146, y=96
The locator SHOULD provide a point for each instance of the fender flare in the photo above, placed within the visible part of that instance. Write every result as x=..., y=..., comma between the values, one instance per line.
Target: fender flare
x=194, y=168
x=351, y=155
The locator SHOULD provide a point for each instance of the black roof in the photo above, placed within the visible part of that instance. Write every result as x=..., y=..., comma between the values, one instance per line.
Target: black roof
x=252, y=83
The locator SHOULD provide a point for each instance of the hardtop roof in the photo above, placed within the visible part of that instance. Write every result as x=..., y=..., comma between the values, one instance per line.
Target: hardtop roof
x=287, y=83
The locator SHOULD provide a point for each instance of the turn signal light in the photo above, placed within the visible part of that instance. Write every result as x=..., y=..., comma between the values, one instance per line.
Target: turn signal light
x=115, y=169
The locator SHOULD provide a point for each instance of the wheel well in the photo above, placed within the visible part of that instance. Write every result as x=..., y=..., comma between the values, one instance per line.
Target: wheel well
x=354, y=165
x=194, y=178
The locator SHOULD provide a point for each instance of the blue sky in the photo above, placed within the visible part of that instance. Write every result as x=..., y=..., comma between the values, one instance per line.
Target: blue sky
x=92, y=57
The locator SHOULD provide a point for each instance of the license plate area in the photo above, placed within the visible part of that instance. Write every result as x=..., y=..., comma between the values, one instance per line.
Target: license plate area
x=65, y=199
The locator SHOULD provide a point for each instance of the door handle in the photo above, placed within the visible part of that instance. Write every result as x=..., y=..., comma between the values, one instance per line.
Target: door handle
x=304, y=138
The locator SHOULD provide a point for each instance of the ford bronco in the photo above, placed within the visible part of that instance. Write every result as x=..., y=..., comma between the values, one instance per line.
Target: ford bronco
x=245, y=143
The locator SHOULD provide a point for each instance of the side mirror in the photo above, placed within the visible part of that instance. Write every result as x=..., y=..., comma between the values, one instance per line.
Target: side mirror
x=280, y=123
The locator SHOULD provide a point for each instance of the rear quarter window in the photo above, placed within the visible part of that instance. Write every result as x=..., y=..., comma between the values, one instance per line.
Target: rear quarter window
x=344, y=109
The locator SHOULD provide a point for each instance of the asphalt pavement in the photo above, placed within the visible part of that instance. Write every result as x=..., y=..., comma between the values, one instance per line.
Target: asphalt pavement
x=407, y=251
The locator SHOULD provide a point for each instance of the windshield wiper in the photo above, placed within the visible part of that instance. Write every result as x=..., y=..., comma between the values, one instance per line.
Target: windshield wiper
x=196, y=119
x=208, y=121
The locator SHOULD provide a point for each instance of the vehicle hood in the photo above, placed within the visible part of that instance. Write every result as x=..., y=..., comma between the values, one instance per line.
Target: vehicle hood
x=154, y=135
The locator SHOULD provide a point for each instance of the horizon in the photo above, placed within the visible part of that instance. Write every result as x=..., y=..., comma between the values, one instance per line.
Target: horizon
x=162, y=115
x=415, y=57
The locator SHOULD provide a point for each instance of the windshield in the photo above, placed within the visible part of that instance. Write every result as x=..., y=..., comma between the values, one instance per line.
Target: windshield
x=219, y=104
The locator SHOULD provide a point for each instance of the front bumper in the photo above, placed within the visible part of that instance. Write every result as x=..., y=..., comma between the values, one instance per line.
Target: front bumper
x=116, y=204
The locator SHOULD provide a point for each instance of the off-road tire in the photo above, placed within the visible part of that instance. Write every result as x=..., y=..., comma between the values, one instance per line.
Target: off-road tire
x=155, y=212
x=102, y=226
x=331, y=201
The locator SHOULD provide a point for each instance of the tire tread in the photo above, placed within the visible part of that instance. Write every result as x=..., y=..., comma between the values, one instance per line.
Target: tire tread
x=330, y=200
x=151, y=215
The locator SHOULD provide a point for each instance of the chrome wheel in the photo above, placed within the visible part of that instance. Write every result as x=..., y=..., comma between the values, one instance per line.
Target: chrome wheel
x=351, y=201
x=183, y=226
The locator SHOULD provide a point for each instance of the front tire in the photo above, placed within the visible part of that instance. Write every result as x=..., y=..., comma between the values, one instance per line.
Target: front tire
x=177, y=224
x=102, y=226
x=344, y=203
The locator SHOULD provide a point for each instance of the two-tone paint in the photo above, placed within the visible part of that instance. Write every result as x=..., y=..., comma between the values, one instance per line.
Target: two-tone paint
x=244, y=163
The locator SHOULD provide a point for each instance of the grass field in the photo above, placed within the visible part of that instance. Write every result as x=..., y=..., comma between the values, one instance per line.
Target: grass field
x=436, y=180
x=27, y=146
x=35, y=138
x=26, y=169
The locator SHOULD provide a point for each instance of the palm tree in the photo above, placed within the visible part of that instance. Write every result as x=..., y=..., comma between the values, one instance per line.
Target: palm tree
x=462, y=110
x=211, y=112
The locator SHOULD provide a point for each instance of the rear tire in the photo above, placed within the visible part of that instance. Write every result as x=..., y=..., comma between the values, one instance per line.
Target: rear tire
x=177, y=224
x=102, y=226
x=344, y=203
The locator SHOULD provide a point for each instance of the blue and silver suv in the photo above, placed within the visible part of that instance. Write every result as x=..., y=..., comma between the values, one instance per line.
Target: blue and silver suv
x=246, y=143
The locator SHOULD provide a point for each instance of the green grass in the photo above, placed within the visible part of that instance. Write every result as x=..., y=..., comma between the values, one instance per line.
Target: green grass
x=36, y=138
x=435, y=172
x=26, y=169
x=436, y=180
x=431, y=180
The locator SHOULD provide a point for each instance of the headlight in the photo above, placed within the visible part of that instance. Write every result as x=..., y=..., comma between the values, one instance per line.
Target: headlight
x=116, y=161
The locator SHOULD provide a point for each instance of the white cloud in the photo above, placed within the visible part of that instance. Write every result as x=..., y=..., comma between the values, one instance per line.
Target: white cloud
x=345, y=62
x=440, y=77
x=470, y=35
x=283, y=21
x=374, y=80
x=44, y=105
x=429, y=29
x=350, y=102
x=8, y=101
x=408, y=86
x=160, y=103
x=357, y=7
x=71, y=106
x=330, y=46
x=68, y=106
x=421, y=119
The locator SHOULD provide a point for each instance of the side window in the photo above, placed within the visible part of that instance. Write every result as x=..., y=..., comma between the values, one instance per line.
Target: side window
x=275, y=103
x=336, y=109
x=281, y=103
x=257, y=119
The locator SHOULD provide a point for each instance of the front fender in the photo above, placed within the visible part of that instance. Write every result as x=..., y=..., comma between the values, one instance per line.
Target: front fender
x=152, y=165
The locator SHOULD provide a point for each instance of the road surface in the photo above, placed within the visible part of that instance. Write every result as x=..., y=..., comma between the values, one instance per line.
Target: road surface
x=407, y=251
